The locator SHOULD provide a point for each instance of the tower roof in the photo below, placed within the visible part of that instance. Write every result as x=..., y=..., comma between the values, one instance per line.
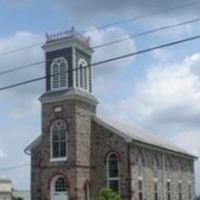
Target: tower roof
x=68, y=34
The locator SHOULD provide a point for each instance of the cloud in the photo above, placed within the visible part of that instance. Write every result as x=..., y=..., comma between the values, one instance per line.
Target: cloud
x=164, y=101
x=189, y=141
x=22, y=96
x=2, y=154
x=89, y=10
x=170, y=94
x=99, y=37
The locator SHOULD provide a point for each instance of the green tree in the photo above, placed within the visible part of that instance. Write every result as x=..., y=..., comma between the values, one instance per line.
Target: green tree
x=17, y=198
x=107, y=194
x=198, y=198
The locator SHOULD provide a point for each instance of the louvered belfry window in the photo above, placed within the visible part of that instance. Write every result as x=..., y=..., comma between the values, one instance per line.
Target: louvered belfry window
x=82, y=75
x=59, y=73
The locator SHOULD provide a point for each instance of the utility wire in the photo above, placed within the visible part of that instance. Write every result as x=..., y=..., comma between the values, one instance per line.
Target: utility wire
x=14, y=167
x=105, y=61
x=148, y=32
x=112, y=24
x=20, y=68
x=110, y=43
x=20, y=49
x=148, y=15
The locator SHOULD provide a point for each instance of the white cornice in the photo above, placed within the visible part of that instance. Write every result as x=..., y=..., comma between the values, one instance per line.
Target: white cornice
x=67, y=43
x=72, y=93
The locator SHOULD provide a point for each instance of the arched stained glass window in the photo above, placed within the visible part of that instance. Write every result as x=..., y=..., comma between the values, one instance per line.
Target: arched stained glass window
x=59, y=139
x=59, y=74
x=113, y=172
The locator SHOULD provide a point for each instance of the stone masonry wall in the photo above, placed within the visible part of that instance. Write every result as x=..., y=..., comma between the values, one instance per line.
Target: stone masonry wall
x=89, y=145
x=104, y=141
x=76, y=169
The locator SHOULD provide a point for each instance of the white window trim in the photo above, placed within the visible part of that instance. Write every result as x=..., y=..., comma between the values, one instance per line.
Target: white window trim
x=51, y=73
x=170, y=191
x=155, y=180
x=85, y=71
x=59, y=159
x=140, y=178
x=107, y=172
x=87, y=188
x=52, y=185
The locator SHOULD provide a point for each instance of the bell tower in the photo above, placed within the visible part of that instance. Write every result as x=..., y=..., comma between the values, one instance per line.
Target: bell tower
x=68, y=59
x=61, y=156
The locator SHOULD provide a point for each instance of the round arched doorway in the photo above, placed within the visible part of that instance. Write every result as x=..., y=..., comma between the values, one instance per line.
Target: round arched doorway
x=59, y=188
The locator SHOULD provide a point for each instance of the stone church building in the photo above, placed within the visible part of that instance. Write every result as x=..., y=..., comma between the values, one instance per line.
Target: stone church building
x=78, y=153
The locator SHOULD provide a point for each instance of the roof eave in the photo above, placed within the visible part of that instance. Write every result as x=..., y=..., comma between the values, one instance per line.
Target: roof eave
x=156, y=147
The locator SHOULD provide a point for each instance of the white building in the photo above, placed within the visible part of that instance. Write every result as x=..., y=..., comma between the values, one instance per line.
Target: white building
x=5, y=189
x=8, y=193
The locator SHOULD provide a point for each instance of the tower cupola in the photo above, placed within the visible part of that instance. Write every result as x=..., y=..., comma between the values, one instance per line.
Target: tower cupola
x=68, y=65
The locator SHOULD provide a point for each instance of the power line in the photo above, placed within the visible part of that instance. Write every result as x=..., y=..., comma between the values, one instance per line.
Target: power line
x=14, y=167
x=149, y=14
x=107, y=60
x=149, y=32
x=21, y=67
x=20, y=49
x=111, y=43
x=112, y=24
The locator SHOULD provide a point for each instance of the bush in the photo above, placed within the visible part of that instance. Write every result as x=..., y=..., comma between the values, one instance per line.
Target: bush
x=107, y=194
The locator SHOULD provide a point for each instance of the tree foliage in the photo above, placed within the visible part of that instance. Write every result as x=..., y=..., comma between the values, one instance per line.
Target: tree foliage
x=17, y=198
x=198, y=198
x=107, y=194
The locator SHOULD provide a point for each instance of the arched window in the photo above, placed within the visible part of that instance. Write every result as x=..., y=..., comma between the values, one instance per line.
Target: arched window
x=59, y=74
x=155, y=176
x=59, y=144
x=180, y=166
x=155, y=167
x=113, y=172
x=189, y=191
x=59, y=188
x=87, y=190
x=191, y=168
x=180, y=190
x=140, y=188
x=168, y=190
x=60, y=185
x=82, y=74
x=167, y=167
x=156, y=194
x=140, y=164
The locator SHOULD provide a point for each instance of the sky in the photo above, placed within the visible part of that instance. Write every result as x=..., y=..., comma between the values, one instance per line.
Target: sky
x=159, y=90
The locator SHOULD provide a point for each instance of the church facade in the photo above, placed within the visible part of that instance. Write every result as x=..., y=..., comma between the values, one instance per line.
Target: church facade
x=78, y=153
